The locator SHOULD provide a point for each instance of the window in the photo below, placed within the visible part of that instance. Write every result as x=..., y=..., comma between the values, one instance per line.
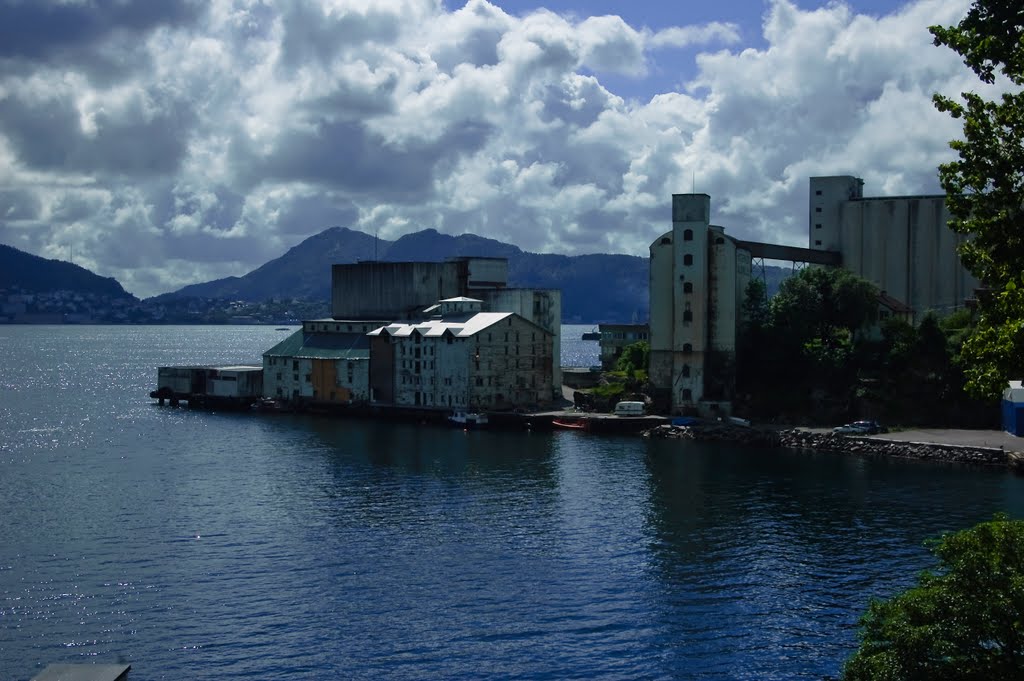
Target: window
x=688, y=287
x=687, y=235
x=687, y=348
x=719, y=240
x=817, y=242
x=817, y=226
x=818, y=209
x=665, y=241
x=686, y=371
x=687, y=394
x=817, y=192
x=687, y=259
x=687, y=316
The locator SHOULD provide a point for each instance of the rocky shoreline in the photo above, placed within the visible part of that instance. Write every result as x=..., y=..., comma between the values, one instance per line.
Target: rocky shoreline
x=844, y=444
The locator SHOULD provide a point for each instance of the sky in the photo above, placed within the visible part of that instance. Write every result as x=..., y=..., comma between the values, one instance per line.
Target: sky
x=175, y=142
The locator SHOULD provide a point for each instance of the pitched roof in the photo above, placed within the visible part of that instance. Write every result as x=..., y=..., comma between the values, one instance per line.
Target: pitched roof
x=322, y=346
x=438, y=327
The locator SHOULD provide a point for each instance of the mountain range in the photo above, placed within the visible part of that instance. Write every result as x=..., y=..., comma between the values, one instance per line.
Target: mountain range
x=33, y=274
x=595, y=288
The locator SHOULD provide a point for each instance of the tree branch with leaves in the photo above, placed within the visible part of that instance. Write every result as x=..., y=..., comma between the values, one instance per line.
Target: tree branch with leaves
x=985, y=186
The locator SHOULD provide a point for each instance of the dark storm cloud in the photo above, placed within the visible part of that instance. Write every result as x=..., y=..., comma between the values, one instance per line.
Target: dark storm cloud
x=17, y=204
x=312, y=35
x=356, y=100
x=37, y=29
x=344, y=155
x=47, y=135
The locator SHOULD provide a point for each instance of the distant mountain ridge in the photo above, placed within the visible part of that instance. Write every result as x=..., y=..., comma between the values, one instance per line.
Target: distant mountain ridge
x=594, y=287
x=34, y=274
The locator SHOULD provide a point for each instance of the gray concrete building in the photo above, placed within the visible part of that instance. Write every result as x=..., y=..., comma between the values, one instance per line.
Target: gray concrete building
x=902, y=244
x=698, y=277
x=400, y=291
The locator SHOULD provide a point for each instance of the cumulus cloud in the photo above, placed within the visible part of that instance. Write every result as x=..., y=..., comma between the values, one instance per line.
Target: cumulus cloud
x=176, y=142
x=682, y=36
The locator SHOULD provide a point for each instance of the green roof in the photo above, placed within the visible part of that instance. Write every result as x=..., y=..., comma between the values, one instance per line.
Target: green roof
x=322, y=346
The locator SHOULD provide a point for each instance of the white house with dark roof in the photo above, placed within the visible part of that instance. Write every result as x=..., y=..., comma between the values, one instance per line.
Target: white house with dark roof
x=462, y=357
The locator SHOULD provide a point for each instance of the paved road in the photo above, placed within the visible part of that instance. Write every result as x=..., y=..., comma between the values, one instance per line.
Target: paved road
x=952, y=436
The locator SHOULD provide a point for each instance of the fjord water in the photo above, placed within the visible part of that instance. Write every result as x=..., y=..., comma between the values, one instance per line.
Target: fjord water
x=212, y=546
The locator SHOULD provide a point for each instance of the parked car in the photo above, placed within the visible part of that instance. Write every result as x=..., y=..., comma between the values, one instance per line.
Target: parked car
x=859, y=428
x=869, y=427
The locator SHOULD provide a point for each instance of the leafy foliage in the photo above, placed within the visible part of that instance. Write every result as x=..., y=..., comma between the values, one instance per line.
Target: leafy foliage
x=985, y=186
x=815, y=352
x=634, y=357
x=964, y=622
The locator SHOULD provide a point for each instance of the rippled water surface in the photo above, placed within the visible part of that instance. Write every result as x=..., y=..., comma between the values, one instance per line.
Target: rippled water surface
x=213, y=546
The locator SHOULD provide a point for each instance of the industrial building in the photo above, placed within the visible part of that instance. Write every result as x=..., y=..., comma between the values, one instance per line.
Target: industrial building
x=326, y=361
x=400, y=291
x=698, y=278
x=462, y=357
x=902, y=244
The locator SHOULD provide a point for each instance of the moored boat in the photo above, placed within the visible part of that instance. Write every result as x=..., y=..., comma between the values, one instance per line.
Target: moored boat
x=468, y=419
x=570, y=425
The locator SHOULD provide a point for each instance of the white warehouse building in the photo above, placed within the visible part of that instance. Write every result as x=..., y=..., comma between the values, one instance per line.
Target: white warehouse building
x=462, y=358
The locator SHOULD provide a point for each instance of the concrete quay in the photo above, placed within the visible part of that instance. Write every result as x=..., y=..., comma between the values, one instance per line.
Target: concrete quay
x=972, y=447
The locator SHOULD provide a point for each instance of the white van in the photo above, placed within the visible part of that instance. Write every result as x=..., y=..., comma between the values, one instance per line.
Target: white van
x=629, y=409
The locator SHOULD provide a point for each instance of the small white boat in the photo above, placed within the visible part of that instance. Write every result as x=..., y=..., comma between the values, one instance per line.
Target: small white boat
x=468, y=419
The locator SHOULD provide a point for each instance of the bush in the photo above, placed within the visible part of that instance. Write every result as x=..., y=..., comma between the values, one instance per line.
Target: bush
x=965, y=622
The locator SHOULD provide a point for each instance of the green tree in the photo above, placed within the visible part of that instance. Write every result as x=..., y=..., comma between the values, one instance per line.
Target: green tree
x=634, y=358
x=964, y=622
x=985, y=186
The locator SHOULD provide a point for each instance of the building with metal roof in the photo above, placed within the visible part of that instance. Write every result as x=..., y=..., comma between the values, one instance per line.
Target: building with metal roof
x=325, y=361
x=462, y=359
